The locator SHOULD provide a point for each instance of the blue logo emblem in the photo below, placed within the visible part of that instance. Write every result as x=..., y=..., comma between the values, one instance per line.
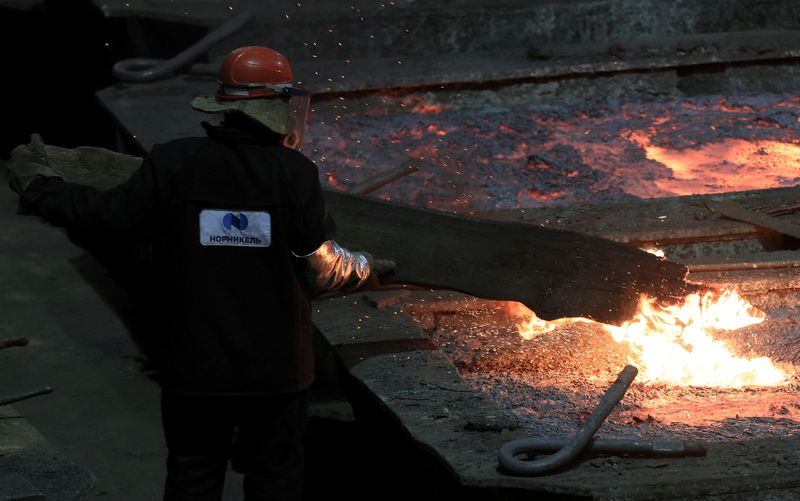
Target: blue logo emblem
x=233, y=220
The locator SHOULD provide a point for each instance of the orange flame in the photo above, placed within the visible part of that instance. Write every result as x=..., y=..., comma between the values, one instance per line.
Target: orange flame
x=674, y=344
x=654, y=251
x=535, y=326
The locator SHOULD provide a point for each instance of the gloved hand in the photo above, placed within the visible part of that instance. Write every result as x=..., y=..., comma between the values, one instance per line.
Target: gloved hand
x=28, y=162
x=378, y=267
x=333, y=268
x=383, y=266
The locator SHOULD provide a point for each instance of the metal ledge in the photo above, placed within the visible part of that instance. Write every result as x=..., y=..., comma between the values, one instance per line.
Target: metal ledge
x=463, y=430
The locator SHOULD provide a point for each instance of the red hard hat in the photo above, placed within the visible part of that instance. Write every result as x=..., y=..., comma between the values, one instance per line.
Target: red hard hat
x=254, y=72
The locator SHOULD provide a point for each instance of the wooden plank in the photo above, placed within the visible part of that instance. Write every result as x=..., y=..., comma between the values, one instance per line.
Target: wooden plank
x=732, y=210
x=554, y=272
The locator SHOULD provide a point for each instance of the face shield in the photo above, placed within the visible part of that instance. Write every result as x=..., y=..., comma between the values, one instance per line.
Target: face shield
x=299, y=99
x=280, y=107
x=298, y=111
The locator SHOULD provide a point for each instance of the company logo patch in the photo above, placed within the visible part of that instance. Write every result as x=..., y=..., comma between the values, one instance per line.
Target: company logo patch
x=234, y=228
x=231, y=220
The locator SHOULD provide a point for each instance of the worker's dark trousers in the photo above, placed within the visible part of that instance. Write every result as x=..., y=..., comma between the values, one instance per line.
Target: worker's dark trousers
x=269, y=451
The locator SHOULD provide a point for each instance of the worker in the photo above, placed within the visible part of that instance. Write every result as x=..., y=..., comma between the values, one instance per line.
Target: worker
x=237, y=224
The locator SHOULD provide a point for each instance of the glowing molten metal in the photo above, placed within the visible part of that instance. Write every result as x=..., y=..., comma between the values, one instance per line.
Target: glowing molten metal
x=729, y=165
x=674, y=344
x=656, y=252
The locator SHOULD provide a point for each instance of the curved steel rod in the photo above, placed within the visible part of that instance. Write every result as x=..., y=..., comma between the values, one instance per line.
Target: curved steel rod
x=20, y=341
x=138, y=70
x=513, y=466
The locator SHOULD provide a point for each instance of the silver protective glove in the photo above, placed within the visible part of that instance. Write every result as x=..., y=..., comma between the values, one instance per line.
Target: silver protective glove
x=332, y=267
x=27, y=162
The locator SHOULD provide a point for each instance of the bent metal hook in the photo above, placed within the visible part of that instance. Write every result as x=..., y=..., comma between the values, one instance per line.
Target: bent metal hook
x=139, y=70
x=512, y=465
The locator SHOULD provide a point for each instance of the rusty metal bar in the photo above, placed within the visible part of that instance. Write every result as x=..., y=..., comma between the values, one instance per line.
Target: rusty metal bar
x=20, y=341
x=618, y=447
x=781, y=211
x=383, y=178
x=732, y=210
x=742, y=266
x=511, y=465
x=25, y=396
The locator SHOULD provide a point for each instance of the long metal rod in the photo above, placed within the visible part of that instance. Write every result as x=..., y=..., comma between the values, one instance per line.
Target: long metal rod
x=20, y=341
x=25, y=396
x=382, y=179
x=732, y=210
x=742, y=266
x=510, y=464
x=619, y=447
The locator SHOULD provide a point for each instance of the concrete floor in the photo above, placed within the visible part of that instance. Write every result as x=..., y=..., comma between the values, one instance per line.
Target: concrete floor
x=104, y=413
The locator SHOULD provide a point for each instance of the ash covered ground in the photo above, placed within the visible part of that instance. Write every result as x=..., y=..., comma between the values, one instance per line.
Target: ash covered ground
x=482, y=158
x=554, y=381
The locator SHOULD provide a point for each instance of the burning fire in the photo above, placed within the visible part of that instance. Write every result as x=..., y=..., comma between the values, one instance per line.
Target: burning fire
x=674, y=344
x=655, y=251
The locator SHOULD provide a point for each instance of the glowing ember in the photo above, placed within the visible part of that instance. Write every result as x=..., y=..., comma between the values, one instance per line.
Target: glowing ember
x=654, y=251
x=674, y=344
x=535, y=326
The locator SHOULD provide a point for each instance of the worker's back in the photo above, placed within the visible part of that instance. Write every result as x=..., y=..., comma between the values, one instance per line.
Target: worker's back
x=233, y=316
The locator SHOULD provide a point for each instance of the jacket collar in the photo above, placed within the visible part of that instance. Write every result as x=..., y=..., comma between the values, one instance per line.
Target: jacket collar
x=240, y=130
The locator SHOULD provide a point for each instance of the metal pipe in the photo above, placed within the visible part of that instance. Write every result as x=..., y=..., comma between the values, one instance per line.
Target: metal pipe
x=513, y=466
x=743, y=266
x=382, y=179
x=617, y=447
x=20, y=341
x=138, y=70
x=25, y=396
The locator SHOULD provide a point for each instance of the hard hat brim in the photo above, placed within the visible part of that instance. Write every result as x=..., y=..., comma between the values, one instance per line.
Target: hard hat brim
x=271, y=112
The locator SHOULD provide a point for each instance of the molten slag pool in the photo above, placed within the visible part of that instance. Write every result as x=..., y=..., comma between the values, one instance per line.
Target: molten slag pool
x=481, y=158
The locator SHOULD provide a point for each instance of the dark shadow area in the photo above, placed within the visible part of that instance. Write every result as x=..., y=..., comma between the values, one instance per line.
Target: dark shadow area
x=55, y=58
x=774, y=241
x=58, y=55
x=373, y=458
x=358, y=460
x=124, y=289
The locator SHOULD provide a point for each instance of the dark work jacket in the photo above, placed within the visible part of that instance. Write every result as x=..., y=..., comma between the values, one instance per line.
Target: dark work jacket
x=232, y=318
